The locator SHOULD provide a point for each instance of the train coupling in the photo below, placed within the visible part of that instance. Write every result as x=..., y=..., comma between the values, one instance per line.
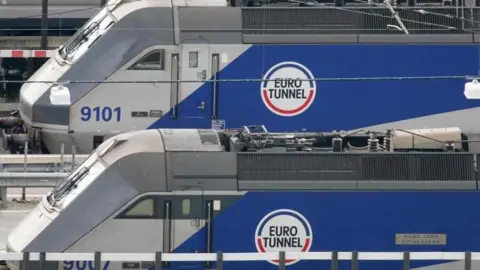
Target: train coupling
x=17, y=141
x=9, y=122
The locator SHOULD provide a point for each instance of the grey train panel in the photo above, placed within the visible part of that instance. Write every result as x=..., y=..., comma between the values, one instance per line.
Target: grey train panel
x=355, y=167
x=110, y=53
x=144, y=141
x=443, y=39
x=149, y=174
x=352, y=39
x=247, y=185
x=218, y=25
x=295, y=39
x=190, y=140
x=417, y=185
x=111, y=188
x=211, y=171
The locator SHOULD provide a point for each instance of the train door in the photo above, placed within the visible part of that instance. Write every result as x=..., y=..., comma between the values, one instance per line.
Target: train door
x=196, y=110
x=188, y=235
x=208, y=214
x=174, y=86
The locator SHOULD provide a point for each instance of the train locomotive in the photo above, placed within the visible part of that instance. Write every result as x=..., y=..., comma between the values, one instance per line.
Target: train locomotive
x=201, y=190
x=215, y=64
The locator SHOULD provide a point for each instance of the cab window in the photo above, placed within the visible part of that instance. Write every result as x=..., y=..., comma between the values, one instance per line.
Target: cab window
x=153, y=60
x=143, y=208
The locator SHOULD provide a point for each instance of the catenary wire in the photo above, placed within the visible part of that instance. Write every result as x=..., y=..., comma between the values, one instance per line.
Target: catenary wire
x=61, y=12
x=398, y=78
x=324, y=7
x=422, y=11
x=408, y=20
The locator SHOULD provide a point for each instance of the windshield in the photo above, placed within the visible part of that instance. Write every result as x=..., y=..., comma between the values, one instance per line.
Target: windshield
x=76, y=182
x=84, y=38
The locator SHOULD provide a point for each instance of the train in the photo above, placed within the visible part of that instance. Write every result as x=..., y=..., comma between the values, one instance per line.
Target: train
x=246, y=190
x=207, y=64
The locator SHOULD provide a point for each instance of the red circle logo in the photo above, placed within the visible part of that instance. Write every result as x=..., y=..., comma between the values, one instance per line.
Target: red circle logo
x=289, y=89
x=284, y=230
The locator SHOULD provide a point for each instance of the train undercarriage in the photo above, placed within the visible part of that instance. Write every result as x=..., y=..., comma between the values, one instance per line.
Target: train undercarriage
x=12, y=72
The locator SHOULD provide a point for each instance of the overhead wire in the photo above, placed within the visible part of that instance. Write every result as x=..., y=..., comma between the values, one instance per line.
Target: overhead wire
x=64, y=12
x=350, y=10
x=247, y=80
x=448, y=27
x=426, y=12
x=389, y=17
x=49, y=14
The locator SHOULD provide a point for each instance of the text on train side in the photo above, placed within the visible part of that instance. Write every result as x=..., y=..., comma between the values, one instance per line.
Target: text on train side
x=82, y=265
x=98, y=114
x=287, y=88
x=282, y=236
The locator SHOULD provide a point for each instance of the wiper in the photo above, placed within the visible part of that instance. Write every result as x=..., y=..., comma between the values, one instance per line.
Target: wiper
x=80, y=39
x=100, y=35
x=72, y=183
x=57, y=189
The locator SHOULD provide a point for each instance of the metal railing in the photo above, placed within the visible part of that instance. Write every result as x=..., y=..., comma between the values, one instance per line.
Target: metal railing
x=40, y=171
x=34, y=261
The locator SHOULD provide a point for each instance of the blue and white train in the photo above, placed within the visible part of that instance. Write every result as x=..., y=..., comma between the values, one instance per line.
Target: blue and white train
x=202, y=191
x=199, y=64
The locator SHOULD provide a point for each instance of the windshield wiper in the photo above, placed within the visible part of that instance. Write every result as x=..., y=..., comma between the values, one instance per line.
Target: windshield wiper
x=79, y=40
x=58, y=194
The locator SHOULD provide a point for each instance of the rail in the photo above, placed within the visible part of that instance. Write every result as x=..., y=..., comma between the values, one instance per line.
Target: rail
x=156, y=259
x=30, y=180
x=29, y=42
x=46, y=180
x=39, y=163
x=41, y=171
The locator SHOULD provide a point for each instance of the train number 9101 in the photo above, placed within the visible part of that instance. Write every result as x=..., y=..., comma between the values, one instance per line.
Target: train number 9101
x=105, y=114
x=83, y=265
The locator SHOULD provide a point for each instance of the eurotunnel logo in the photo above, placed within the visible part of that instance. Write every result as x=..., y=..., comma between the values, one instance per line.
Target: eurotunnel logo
x=288, y=89
x=283, y=230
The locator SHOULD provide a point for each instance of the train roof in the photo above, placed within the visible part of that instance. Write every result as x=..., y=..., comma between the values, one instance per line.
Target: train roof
x=197, y=158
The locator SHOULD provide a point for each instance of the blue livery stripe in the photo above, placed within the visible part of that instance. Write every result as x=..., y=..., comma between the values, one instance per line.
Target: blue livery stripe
x=342, y=104
x=352, y=221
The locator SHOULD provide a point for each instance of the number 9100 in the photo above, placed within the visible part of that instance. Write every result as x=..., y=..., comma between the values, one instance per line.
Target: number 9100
x=105, y=114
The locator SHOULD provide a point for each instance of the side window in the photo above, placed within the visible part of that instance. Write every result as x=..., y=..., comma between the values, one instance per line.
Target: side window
x=153, y=60
x=186, y=209
x=144, y=208
x=193, y=59
x=188, y=206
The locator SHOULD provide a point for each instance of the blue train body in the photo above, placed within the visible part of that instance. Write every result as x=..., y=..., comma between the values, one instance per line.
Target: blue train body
x=350, y=221
x=340, y=104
